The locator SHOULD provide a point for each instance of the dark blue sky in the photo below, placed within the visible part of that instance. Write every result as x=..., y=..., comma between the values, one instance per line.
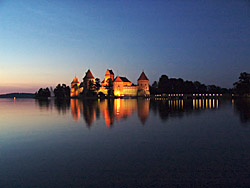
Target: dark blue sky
x=43, y=43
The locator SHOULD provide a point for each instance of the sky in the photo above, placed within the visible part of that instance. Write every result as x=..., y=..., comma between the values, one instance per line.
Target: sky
x=43, y=43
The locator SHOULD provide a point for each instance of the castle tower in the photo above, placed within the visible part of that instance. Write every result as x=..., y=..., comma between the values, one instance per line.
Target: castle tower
x=109, y=74
x=87, y=78
x=143, y=85
x=74, y=91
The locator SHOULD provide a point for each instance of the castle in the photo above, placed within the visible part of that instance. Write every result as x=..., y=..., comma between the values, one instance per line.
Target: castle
x=121, y=86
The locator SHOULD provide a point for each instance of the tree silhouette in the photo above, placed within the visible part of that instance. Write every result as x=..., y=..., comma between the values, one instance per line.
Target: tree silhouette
x=109, y=87
x=97, y=84
x=242, y=87
x=62, y=91
x=42, y=93
x=168, y=85
x=91, y=86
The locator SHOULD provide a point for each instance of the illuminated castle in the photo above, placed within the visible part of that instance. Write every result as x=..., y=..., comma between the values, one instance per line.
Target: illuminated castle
x=121, y=85
x=75, y=90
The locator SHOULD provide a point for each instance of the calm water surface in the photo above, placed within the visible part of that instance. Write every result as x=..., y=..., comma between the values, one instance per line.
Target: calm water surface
x=125, y=143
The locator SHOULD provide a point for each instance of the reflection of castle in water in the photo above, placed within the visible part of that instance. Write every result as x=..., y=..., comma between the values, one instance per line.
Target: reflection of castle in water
x=119, y=109
x=111, y=110
x=116, y=110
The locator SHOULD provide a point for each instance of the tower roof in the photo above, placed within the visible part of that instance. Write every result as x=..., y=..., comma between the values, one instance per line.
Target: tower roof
x=89, y=75
x=109, y=71
x=75, y=80
x=143, y=76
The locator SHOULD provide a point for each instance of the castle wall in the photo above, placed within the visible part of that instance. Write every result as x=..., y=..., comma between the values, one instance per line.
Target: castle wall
x=103, y=90
x=130, y=90
x=118, y=88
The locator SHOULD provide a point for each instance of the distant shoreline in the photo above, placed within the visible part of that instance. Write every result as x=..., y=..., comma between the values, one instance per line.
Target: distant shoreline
x=18, y=95
x=32, y=95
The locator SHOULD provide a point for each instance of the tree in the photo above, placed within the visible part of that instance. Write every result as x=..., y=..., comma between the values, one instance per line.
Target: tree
x=163, y=84
x=91, y=86
x=90, y=91
x=153, y=88
x=43, y=93
x=76, y=87
x=62, y=92
x=97, y=84
x=155, y=84
x=109, y=87
x=189, y=87
x=178, y=86
x=213, y=89
x=242, y=87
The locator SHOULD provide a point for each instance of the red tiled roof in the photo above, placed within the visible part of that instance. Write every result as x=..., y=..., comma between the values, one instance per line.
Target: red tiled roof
x=118, y=79
x=121, y=79
x=143, y=76
x=89, y=74
x=124, y=79
x=109, y=72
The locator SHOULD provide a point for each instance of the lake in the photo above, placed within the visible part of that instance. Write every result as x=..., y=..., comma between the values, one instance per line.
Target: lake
x=125, y=143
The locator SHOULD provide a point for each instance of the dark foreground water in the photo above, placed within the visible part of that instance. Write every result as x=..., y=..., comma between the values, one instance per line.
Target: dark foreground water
x=124, y=143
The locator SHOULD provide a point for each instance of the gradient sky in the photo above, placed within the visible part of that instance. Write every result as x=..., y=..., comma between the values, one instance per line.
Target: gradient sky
x=43, y=43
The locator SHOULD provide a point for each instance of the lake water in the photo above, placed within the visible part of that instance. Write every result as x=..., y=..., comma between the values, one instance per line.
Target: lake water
x=125, y=143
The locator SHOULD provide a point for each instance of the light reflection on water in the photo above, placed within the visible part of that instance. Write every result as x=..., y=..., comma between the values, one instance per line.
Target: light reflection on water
x=116, y=110
x=124, y=143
